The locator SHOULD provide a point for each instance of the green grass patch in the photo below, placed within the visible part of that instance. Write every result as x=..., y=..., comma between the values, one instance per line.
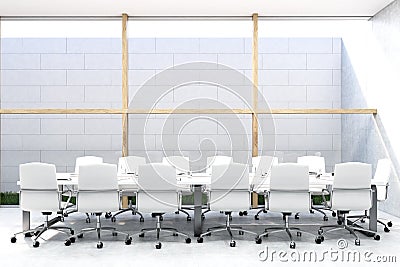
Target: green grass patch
x=9, y=198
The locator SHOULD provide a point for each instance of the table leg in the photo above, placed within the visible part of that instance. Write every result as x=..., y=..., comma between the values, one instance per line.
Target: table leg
x=197, y=221
x=373, y=211
x=26, y=220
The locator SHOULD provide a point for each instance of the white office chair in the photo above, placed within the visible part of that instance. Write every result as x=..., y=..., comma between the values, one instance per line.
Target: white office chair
x=316, y=166
x=351, y=190
x=182, y=166
x=158, y=195
x=86, y=160
x=98, y=193
x=289, y=193
x=129, y=165
x=381, y=180
x=229, y=192
x=39, y=192
x=262, y=171
x=215, y=161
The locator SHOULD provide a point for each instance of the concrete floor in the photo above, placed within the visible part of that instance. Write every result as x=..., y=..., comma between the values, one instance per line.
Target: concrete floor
x=215, y=250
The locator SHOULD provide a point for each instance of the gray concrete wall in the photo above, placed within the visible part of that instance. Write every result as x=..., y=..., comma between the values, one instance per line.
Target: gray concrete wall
x=364, y=138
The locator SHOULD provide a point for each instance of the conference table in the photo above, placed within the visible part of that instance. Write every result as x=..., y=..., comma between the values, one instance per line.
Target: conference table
x=197, y=181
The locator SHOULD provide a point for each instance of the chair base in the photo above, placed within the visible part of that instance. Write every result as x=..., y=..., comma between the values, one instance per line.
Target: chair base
x=98, y=229
x=159, y=229
x=366, y=216
x=351, y=228
x=133, y=210
x=39, y=230
x=284, y=228
x=227, y=227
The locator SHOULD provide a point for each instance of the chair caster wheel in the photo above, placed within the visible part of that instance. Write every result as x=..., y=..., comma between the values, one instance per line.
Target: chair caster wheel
x=188, y=240
x=203, y=217
x=339, y=222
x=161, y=218
x=141, y=235
x=28, y=234
x=258, y=240
x=240, y=213
x=256, y=217
x=177, y=212
x=319, y=239
x=36, y=233
x=265, y=211
x=67, y=243
x=128, y=241
x=61, y=219
x=188, y=218
x=387, y=230
x=87, y=220
x=232, y=244
x=13, y=239
x=245, y=213
x=333, y=214
x=200, y=240
x=362, y=220
x=325, y=218
x=72, y=239
x=141, y=219
x=153, y=215
x=298, y=234
x=65, y=215
x=241, y=233
x=113, y=219
x=377, y=237
x=297, y=216
x=174, y=234
x=209, y=234
x=357, y=242
x=36, y=244
x=108, y=215
x=80, y=236
x=292, y=245
x=158, y=245
x=390, y=224
x=72, y=232
x=114, y=234
x=320, y=231
x=100, y=245
x=311, y=211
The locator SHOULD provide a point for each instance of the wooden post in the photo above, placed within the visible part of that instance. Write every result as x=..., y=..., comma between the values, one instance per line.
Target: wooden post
x=124, y=95
x=255, y=98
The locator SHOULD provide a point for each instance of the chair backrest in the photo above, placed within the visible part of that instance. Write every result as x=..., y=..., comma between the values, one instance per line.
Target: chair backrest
x=130, y=164
x=98, y=188
x=381, y=178
x=39, y=190
x=351, y=188
x=315, y=164
x=180, y=163
x=86, y=160
x=289, y=188
x=217, y=160
x=158, y=189
x=230, y=187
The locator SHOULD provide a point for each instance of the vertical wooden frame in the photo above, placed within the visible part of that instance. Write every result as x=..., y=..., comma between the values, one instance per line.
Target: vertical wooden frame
x=254, y=124
x=124, y=94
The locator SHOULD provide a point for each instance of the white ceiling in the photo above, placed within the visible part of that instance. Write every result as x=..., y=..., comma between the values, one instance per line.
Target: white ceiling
x=191, y=7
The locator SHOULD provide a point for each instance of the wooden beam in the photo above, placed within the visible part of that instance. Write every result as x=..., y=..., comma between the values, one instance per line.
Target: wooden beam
x=255, y=86
x=189, y=111
x=125, y=96
x=124, y=85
